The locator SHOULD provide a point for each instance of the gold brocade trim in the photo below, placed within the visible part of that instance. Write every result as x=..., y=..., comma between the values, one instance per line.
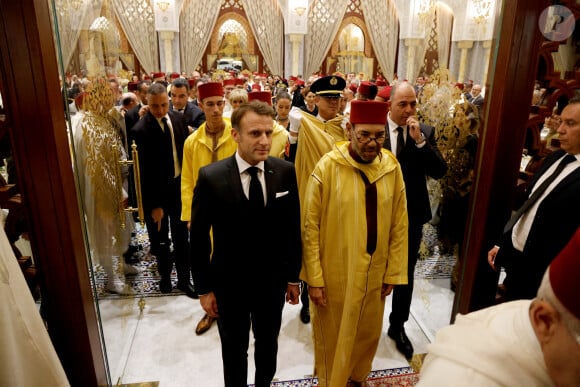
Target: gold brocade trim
x=103, y=152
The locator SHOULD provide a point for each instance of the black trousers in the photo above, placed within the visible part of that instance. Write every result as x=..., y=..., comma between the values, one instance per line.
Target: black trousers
x=402, y=294
x=161, y=242
x=260, y=309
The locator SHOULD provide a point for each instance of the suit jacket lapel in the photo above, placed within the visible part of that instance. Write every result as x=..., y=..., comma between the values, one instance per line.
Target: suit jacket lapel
x=554, y=157
x=269, y=177
x=387, y=143
x=235, y=178
x=572, y=177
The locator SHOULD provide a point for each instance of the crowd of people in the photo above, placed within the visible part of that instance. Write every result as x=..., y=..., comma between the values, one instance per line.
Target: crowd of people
x=339, y=164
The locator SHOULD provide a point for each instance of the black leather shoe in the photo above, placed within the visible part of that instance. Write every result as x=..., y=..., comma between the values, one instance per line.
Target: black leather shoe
x=305, y=315
x=165, y=285
x=188, y=289
x=204, y=324
x=402, y=341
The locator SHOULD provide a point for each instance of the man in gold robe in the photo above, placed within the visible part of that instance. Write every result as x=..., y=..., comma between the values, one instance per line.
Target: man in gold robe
x=354, y=233
x=310, y=137
x=315, y=136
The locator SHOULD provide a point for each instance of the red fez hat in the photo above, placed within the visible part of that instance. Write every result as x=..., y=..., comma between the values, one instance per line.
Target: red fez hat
x=158, y=75
x=299, y=82
x=264, y=96
x=147, y=78
x=459, y=85
x=239, y=81
x=174, y=75
x=368, y=112
x=352, y=87
x=210, y=89
x=191, y=82
x=564, y=272
x=256, y=87
x=229, y=82
x=385, y=93
x=293, y=78
x=80, y=99
x=367, y=89
x=380, y=83
x=132, y=86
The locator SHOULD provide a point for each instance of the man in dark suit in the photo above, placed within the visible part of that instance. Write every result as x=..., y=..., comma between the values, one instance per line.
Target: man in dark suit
x=179, y=93
x=160, y=136
x=542, y=227
x=132, y=115
x=251, y=267
x=416, y=149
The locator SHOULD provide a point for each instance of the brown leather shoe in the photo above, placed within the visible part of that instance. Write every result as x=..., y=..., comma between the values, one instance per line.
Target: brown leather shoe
x=204, y=324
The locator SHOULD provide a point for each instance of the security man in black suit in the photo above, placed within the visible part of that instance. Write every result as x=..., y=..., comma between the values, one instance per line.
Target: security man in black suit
x=179, y=93
x=416, y=149
x=250, y=202
x=160, y=136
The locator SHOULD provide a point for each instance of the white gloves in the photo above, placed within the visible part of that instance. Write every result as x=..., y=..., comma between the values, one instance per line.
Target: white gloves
x=295, y=116
x=345, y=123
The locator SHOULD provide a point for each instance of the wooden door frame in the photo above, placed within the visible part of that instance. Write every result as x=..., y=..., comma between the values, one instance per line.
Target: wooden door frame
x=40, y=145
x=35, y=109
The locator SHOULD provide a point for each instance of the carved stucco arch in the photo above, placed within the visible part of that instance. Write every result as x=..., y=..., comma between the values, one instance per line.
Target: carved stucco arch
x=360, y=23
x=214, y=47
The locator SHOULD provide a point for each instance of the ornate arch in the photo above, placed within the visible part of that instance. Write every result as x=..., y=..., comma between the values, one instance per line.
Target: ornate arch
x=360, y=23
x=238, y=18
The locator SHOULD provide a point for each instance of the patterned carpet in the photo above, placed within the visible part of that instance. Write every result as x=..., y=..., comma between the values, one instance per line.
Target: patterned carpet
x=395, y=377
x=432, y=264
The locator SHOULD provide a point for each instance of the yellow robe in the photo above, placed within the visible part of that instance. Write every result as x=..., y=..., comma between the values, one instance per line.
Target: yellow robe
x=315, y=138
x=279, y=140
x=334, y=235
x=198, y=152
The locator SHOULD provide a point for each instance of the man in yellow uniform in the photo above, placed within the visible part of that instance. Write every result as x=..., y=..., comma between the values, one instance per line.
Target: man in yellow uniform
x=310, y=137
x=314, y=136
x=354, y=235
x=211, y=142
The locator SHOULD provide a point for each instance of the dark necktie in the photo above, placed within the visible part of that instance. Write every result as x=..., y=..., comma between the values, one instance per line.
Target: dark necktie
x=168, y=142
x=181, y=110
x=538, y=193
x=400, y=141
x=371, y=212
x=256, y=195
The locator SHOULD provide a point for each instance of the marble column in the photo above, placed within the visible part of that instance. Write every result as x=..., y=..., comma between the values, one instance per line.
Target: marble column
x=464, y=46
x=295, y=41
x=487, y=48
x=411, y=58
x=167, y=37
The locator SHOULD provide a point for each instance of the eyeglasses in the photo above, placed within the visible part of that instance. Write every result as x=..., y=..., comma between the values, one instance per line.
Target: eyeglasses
x=365, y=138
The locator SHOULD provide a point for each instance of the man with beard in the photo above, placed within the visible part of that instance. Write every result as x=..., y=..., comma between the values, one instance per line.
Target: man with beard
x=354, y=232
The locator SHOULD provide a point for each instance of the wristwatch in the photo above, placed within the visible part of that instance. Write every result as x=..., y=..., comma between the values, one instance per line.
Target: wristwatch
x=421, y=141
